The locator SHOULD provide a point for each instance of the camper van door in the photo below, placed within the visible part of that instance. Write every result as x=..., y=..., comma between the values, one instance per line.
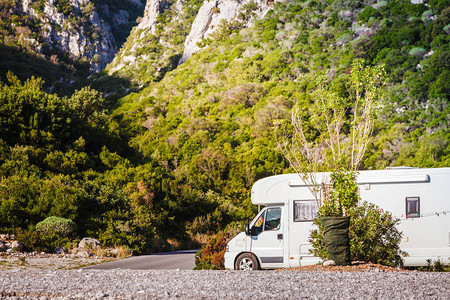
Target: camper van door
x=267, y=237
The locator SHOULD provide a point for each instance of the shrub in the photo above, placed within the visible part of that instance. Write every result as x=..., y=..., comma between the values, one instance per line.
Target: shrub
x=55, y=225
x=367, y=13
x=341, y=196
x=417, y=51
x=373, y=236
x=211, y=255
x=40, y=242
x=124, y=252
x=437, y=266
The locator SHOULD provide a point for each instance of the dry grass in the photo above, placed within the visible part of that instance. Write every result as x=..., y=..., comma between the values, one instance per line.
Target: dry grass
x=124, y=252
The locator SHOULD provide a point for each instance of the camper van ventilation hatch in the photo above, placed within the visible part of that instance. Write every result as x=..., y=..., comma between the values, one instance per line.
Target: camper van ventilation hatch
x=400, y=168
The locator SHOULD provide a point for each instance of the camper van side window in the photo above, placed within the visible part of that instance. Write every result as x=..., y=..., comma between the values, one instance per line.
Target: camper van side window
x=413, y=207
x=305, y=211
x=273, y=218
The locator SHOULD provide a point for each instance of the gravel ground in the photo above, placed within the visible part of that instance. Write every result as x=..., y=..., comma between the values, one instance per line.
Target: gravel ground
x=47, y=261
x=182, y=284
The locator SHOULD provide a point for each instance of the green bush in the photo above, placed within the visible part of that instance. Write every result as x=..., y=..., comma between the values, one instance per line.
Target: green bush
x=417, y=51
x=41, y=242
x=437, y=266
x=344, y=194
x=367, y=13
x=373, y=236
x=56, y=225
x=64, y=6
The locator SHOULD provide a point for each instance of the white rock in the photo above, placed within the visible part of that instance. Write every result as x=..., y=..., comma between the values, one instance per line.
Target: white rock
x=16, y=245
x=152, y=10
x=90, y=243
x=83, y=253
x=329, y=262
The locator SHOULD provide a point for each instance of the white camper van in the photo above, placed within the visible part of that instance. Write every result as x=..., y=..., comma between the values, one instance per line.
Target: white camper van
x=419, y=197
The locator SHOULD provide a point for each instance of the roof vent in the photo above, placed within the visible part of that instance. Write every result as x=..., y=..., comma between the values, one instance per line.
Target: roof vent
x=400, y=168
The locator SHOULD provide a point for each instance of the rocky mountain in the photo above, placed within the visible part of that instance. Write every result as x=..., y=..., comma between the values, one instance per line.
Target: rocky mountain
x=73, y=27
x=170, y=32
x=73, y=36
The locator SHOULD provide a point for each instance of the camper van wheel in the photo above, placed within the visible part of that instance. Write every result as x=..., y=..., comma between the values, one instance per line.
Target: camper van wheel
x=246, y=261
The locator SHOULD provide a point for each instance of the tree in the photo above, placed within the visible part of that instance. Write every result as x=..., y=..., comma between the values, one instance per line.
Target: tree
x=339, y=129
x=336, y=139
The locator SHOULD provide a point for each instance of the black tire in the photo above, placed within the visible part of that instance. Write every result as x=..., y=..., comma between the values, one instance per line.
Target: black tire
x=246, y=262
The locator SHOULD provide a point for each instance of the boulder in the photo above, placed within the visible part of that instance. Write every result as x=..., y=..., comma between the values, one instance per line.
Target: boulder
x=90, y=243
x=16, y=245
x=61, y=250
x=2, y=247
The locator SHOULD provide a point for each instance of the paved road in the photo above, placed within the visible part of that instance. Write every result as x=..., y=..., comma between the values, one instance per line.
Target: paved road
x=183, y=260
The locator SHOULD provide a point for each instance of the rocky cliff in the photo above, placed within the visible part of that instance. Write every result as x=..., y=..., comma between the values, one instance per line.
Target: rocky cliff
x=213, y=13
x=75, y=29
x=156, y=44
x=171, y=32
x=83, y=32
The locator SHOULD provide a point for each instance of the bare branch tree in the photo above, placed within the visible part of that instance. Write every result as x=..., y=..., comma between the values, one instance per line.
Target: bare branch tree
x=344, y=128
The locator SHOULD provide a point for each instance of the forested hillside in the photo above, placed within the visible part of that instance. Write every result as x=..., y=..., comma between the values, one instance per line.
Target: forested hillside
x=175, y=159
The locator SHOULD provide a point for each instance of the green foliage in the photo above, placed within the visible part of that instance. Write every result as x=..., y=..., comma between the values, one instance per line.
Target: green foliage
x=42, y=242
x=437, y=266
x=367, y=13
x=373, y=236
x=344, y=194
x=64, y=6
x=56, y=225
x=417, y=51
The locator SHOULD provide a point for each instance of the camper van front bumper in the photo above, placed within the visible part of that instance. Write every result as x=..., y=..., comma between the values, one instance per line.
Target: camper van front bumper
x=229, y=260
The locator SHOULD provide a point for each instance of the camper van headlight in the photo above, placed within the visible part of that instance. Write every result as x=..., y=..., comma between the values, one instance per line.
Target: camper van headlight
x=227, y=249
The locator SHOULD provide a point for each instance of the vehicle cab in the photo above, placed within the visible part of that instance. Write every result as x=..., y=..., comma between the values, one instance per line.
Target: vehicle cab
x=261, y=245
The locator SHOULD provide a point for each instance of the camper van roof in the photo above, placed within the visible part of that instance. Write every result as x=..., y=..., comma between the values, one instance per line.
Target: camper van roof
x=279, y=188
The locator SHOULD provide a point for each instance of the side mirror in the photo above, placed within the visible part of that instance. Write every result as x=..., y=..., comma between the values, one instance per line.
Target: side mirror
x=248, y=230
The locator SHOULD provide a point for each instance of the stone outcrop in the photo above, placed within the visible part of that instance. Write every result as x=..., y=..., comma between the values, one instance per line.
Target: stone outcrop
x=60, y=250
x=17, y=246
x=2, y=246
x=82, y=34
x=131, y=61
x=213, y=12
x=128, y=60
x=152, y=10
